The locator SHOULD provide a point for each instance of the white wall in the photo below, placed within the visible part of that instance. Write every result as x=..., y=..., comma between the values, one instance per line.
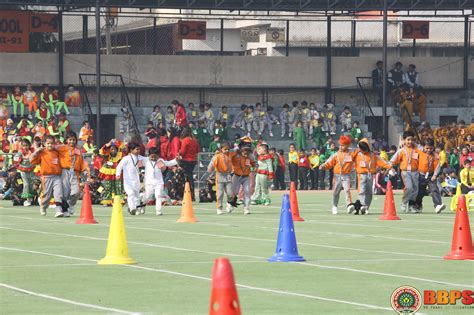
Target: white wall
x=229, y=71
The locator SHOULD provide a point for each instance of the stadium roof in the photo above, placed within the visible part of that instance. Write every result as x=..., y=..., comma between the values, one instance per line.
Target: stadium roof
x=265, y=5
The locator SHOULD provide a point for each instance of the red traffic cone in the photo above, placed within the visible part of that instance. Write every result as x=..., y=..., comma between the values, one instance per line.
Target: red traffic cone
x=86, y=217
x=224, y=298
x=295, y=211
x=389, y=211
x=461, y=246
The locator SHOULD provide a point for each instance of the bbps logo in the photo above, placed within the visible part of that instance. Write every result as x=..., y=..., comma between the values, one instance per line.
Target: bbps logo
x=406, y=300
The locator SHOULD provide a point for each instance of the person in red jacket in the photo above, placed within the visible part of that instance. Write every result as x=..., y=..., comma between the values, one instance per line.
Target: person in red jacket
x=180, y=116
x=303, y=168
x=174, y=144
x=163, y=144
x=188, y=154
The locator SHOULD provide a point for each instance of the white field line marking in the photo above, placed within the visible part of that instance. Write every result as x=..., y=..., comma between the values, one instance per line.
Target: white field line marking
x=342, y=224
x=260, y=227
x=45, y=265
x=50, y=297
x=224, y=254
x=280, y=292
x=132, y=242
x=249, y=238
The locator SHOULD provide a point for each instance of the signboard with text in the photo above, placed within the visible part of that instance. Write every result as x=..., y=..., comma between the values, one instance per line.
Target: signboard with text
x=16, y=26
x=416, y=30
x=192, y=30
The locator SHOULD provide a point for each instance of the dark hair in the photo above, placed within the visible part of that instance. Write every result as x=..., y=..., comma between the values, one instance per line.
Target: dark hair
x=153, y=150
x=132, y=146
x=364, y=146
x=243, y=106
x=71, y=134
x=291, y=144
x=25, y=140
x=186, y=132
x=356, y=122
x=286, y=106
x=280, y=152
x=412, y=65
x=407, y=134
x=48, y=137
x=156, y=106
x=85, y=122
x=224, y=107
x=398, y=63
x=273, y=149
x=429, y=142
x=225, y=144
x=379, y=62
x=269, y=108
x=169, y=107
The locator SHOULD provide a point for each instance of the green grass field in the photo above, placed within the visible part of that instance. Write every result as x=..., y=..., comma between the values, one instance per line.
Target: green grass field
x=354, y=263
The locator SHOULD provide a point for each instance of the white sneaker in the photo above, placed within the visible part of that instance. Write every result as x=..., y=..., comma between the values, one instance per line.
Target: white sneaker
x=71, y=211
x=267, y=203
x=27, y=203
x=158, y=212
x=59, y=214
x=66, y=214
x=246, y=211
x=404, y=207
x=141, y=210
x=229, y=208
x=440, y=208
x=270, y=134
x=412, y=209
x=52, y=206
x=334, y=210
x=201, y=165
x=350, y=209
x=219, y=212
x=42, y=211
x=290, y=135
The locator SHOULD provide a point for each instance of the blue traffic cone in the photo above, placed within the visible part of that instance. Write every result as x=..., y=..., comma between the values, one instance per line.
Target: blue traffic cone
x=286, y=249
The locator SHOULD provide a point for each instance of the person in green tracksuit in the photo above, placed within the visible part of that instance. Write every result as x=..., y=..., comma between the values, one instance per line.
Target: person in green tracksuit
x=264, y=172
x=319, y=136
x=300, y=136
x=203, y=136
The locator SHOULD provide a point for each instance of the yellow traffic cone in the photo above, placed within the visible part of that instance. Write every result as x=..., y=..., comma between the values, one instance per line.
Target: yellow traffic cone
x=454, y=199
x=187, y=212
x=117, y=248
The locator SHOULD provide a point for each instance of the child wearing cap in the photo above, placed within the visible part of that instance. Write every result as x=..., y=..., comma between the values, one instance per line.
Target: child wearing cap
x=342, y=163
x=408, y=157
x=264, y=172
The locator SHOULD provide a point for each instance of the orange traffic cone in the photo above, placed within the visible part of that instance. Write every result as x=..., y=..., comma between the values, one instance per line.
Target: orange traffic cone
x=86, y=216
x=389, y=211
x=187, y=212
x=461, y=247
x=224, y=298
x=295, y=211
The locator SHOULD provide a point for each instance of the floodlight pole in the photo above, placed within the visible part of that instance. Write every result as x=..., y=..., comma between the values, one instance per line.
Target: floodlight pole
x=60, y=53
x=384, y=82
x=97, y=68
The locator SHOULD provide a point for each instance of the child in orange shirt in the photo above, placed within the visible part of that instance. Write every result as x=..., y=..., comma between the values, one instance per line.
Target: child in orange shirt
x=48, y=159
x=222, y=164
x=72, y=165
x=408, y=157
x=342, y=163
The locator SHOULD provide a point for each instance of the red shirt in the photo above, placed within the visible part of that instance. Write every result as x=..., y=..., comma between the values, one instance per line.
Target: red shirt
x=164, y=146
x=180, y=116
x=189, y=149
x=173, y=148
x=304, y=162
x=281, y=161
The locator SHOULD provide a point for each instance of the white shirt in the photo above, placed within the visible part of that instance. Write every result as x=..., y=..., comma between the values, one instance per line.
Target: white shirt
x=153, y=175
x=129, y=166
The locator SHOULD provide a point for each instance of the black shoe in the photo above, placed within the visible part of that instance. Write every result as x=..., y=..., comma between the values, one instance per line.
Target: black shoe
x=133, y=211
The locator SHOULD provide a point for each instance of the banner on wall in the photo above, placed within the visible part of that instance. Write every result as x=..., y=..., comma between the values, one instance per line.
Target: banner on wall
x=16, y=26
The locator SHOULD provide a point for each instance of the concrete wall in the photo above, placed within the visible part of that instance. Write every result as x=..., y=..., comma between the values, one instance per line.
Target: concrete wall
x=236, y=71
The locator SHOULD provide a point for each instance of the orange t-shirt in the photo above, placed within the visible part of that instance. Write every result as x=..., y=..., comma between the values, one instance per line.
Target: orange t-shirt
x=408, y=158
x=342, y=162
x=67, y=155
x=368, y=163
x=85, y=133
x=428, y=163
x=48, y=161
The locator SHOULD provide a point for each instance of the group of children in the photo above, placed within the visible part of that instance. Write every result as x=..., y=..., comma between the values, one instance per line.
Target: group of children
x=301, y=122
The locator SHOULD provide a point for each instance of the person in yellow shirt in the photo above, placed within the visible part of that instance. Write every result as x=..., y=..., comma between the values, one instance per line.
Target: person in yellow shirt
x=314, y=162
x=293, y=164
x=383, y=154
x=467, y=177
x=442, y=156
